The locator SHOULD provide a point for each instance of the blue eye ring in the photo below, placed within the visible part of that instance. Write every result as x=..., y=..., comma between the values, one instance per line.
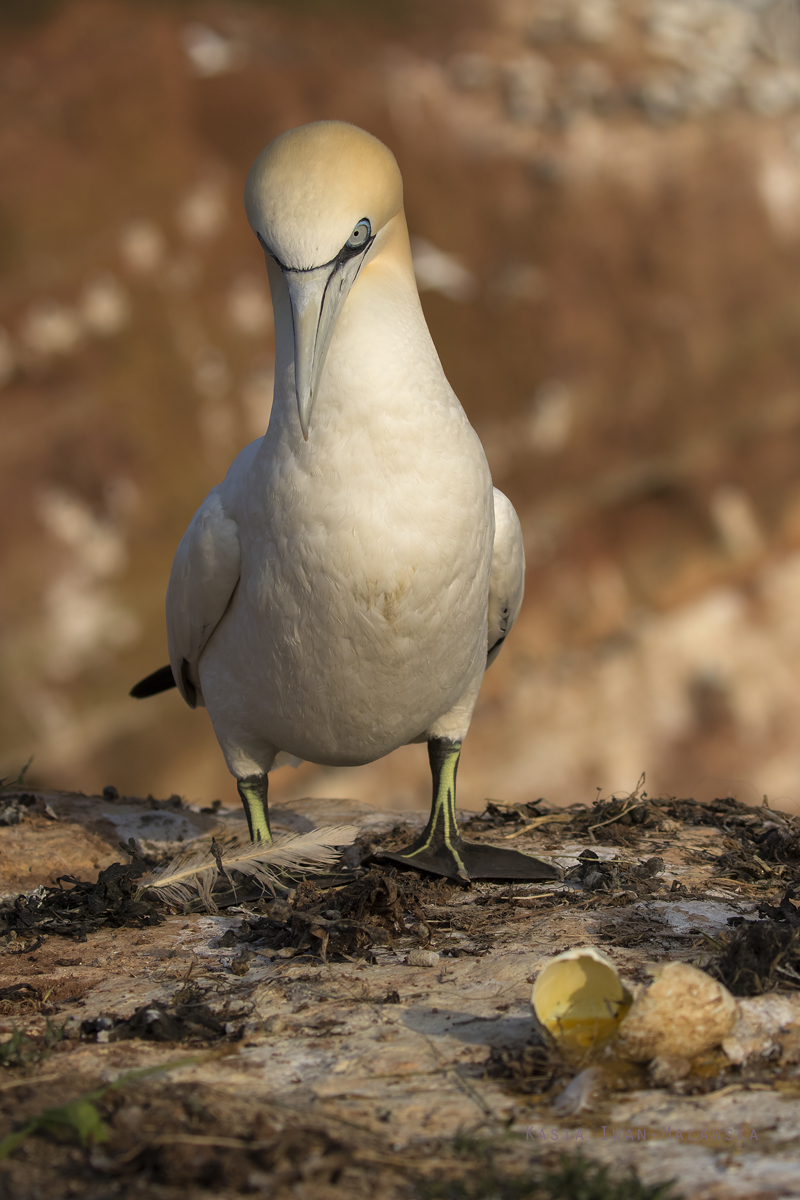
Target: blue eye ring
x=360, y=235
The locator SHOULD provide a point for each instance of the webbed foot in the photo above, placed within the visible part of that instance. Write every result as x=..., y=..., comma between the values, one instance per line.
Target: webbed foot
x=441, y=850
x=469, y=860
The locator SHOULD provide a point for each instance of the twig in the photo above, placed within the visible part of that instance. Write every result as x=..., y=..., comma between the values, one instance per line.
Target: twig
x=6, y=1087
x=556, y=818
x=617, y=816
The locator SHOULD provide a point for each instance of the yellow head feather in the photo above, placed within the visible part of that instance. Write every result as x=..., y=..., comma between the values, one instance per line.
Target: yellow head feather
x=307, y=190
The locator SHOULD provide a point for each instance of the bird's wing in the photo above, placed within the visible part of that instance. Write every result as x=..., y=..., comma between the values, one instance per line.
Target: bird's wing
x=507, y=579
x=204, y=577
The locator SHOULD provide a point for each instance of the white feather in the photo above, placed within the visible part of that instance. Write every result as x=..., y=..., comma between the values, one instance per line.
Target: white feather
x=195, y=872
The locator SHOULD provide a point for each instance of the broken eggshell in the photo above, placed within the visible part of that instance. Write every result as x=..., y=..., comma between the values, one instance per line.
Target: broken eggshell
x=682, y=1014
x=579, y=999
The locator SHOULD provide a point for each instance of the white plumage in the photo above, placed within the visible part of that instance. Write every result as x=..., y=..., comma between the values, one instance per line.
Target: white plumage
x=340, y=593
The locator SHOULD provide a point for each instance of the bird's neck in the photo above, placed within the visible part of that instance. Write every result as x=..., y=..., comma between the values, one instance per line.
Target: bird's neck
x=381, y=363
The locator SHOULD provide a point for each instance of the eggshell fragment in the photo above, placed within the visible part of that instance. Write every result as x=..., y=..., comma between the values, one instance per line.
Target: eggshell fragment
x=579, y=999
x=682, y=1014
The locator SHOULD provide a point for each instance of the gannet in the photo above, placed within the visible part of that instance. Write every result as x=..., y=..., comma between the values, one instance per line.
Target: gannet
x=343, y=590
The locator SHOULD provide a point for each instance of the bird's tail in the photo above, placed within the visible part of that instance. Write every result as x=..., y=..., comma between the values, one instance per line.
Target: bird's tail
x=160, y=681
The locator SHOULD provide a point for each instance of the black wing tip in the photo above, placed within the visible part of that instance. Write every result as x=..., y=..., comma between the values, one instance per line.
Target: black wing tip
x=160, y=681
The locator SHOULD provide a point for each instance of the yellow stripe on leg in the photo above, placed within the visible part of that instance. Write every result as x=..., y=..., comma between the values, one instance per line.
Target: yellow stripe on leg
x=257, y=814
x=444, y=807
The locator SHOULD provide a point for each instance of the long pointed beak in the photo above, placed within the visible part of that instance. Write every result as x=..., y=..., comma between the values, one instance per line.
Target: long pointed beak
x=317, y=297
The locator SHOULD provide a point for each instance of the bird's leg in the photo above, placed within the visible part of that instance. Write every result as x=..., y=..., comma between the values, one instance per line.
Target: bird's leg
x=441, y=850
x=253, y=795
x=440, y=847
x=440, y=840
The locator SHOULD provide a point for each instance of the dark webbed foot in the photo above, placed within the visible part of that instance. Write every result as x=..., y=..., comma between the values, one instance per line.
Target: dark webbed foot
x=474, y=861
x=441, y=850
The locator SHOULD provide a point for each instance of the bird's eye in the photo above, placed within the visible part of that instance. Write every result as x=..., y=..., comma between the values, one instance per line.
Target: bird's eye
x=360, y=235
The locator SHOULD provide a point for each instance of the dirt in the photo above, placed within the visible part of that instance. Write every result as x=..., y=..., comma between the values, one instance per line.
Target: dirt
x=47, y=835
x=302, y=1046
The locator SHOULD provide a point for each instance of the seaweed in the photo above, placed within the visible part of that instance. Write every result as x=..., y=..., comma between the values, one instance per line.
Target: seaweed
x=344, y=921
x=75, y=908
x=186, y=1017
x=758, y=957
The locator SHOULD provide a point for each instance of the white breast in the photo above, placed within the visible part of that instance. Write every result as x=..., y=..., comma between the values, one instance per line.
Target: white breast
x=360, y=616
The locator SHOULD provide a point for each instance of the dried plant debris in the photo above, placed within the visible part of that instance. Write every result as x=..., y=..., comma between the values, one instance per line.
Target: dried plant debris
x=786, y=911
x=570, y=1177
x=14, y=809
x=596, y=876
x=758, y=957
x=388, y=897
x=532, y=1069
x=529, y=817
x=761, y=846
x=382, y=905
x=186, y=1017
x=535, y=1069
x=666, y=814
x=497, y=815
x=288, y=928
x=632, y=928
x=76, y=908
x=342, y=922
x=621, y=819
x=638, y=811
x=44, y=995
x=395, y=838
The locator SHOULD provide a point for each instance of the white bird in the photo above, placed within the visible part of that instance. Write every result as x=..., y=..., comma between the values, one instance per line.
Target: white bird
x=342, y=591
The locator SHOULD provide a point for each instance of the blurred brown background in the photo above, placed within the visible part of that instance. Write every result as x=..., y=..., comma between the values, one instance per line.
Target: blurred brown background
x=605, y=201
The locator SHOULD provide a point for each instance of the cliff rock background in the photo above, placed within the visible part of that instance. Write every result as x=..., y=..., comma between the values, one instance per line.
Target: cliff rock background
x=605, y=201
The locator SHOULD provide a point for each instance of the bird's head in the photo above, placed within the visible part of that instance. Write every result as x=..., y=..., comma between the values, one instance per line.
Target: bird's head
x=317, y=198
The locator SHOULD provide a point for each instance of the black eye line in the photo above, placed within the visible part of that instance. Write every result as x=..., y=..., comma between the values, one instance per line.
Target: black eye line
x=346, y=253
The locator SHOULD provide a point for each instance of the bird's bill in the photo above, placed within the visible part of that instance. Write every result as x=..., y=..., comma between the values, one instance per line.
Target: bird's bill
x=317, y=297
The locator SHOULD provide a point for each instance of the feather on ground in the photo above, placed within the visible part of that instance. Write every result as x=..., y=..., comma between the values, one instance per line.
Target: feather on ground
x=195, y=872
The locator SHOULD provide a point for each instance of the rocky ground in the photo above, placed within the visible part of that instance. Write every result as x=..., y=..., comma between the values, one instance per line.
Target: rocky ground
x=605, y=201
x=371, y=1034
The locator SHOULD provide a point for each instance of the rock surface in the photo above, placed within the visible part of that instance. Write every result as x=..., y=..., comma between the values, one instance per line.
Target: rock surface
x=375, y=1062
